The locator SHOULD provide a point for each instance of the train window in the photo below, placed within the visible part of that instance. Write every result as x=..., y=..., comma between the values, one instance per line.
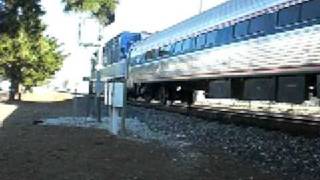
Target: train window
x=155, y=53
x=142, y=59
x=188, y=45
x=241, y=29
x=172, y=46
x=178, y=48
x=193, y=43
x=105, y=57
x=108, y=54
x=139, y=59
x=289, y=15
x=310, y=10
x=134, y=60
x=111, y=56
x=225, y=35
x=149, y=55
x=200, y=41
x=164, y=51
x=123, y=54
x=263, y=24
x=211, y=38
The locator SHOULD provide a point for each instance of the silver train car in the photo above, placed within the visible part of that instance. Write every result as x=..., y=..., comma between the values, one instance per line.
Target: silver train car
x=243, y=49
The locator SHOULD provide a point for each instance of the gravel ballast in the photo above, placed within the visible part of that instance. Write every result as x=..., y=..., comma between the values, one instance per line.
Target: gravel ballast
x=273, y=152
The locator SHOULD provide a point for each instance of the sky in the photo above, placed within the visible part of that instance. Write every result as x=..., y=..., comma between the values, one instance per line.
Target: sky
x=131, y=15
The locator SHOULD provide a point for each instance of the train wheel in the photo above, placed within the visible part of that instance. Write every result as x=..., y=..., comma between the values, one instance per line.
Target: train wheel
x=147, y=97
x=187, y=97
x=163, y=95
x=146, y=93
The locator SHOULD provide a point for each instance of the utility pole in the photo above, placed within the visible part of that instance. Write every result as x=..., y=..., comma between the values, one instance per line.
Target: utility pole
x=200, y=6
x=99, y=84
x=96, y=43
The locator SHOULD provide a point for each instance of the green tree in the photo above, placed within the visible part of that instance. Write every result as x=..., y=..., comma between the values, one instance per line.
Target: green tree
x=27, y=57
x=28, y=62
x=103, y=10
x=22, y=14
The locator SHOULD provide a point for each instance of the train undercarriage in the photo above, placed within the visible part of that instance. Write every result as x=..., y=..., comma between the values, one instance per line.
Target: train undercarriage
x=293, y=89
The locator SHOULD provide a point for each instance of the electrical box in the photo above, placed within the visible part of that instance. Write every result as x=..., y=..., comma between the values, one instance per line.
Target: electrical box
x=118, y=94
x=99, y=87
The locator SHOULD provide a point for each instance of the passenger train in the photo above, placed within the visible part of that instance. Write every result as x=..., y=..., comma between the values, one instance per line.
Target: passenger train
x=242, y=49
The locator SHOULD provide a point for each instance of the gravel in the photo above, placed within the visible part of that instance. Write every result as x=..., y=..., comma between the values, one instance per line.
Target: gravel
x=292, y=157
x=194, y=143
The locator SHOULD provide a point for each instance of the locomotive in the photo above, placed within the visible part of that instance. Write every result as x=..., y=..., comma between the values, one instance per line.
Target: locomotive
x=242, y=49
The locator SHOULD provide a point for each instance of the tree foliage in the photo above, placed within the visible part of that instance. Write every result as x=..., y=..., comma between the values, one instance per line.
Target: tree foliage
x=28, y=61
x=27, y=57
x=22, y=14
x=103, y=10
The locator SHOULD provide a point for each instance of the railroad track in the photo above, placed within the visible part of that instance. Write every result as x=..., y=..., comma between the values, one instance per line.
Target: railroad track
x=294, y=124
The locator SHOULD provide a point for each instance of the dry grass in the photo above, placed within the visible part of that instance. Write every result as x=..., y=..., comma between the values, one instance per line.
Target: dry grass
x=7, y=109
x=49, y=96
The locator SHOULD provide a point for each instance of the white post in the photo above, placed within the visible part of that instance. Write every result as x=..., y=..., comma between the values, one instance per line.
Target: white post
x=96, y=42
x=200, y=7
x=115, y=120
x=117, y=106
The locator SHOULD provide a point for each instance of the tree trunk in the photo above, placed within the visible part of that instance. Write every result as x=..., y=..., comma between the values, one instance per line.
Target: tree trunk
x=14, y=90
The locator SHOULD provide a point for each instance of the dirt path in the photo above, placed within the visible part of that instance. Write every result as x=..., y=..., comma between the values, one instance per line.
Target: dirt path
x=30, y=152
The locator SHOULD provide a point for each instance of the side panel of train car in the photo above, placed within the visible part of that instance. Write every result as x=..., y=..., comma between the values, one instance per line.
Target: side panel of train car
x=292, y=89
x=263, y=41
x=219, y=89
x=260, y=89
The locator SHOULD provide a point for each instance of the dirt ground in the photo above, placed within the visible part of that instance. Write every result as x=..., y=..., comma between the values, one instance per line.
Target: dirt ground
x=33, y=152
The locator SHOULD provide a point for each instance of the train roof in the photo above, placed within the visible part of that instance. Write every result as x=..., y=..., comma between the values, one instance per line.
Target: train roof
x=210, y=19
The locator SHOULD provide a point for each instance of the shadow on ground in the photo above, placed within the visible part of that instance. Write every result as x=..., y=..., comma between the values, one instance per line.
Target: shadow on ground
x=27, y=112
x=35, y=152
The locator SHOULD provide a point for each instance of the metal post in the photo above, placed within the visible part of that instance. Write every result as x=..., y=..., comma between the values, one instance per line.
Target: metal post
x=124, y=108
x=96, y=44
x=89, y=99
x=115, y=119
x=99, y=109
x=106, y=96
x=123, y=112
x=75, y=98
x=200, y=8
x=98, y=102
x=99, y=83
x=109, y=103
